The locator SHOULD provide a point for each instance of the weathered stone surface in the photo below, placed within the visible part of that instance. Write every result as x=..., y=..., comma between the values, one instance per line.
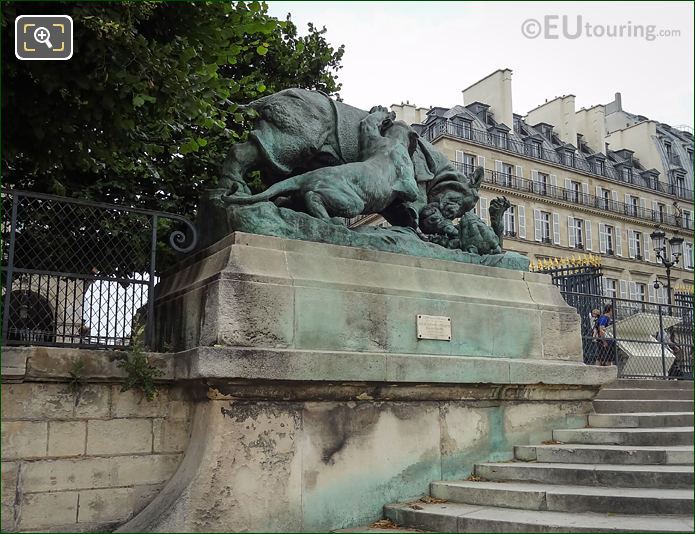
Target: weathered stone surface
x=170, y=436
x=13, y=364
x=24, y=439
x=67, y=438
x=71, y=474
x=37, y=401
x=119, y=436
x=312, y=296
x=10, y=471
x=238, y=453
x=132, y=403
x=46, y=510
x=106, y=505
x=356, y=456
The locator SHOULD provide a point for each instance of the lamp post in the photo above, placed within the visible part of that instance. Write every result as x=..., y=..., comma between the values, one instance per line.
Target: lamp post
x=667, y=260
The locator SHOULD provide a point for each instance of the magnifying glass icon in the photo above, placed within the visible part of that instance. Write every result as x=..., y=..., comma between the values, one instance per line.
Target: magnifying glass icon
x=42, y=35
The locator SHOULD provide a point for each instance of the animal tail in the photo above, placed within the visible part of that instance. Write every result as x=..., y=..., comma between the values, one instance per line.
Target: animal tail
x=286, y=186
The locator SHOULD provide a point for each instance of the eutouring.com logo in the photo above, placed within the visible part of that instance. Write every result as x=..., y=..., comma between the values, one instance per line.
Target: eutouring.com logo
x=575, y=27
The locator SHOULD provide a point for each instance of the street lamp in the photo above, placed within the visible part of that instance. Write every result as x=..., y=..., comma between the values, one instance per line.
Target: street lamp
x=659, y=240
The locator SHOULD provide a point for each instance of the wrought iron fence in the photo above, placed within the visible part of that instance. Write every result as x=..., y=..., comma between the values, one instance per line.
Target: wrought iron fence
x=81, y=273
x=643, y=339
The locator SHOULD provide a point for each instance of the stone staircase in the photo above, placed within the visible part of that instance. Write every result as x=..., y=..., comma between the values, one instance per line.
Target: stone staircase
x=630, y=470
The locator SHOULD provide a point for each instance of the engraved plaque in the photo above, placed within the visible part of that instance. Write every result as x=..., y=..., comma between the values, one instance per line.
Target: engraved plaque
x=434, y=327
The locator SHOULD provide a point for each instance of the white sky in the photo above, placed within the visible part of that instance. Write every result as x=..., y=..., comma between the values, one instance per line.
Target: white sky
x=427, y=52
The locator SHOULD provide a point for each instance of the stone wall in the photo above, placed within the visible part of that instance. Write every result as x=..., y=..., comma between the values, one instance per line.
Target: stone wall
x=83, y=460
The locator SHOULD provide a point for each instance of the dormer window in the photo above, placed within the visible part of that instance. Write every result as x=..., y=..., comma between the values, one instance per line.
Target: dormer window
x=599, y=167
x=500, y=138
x=627, y=174
x=568, y=158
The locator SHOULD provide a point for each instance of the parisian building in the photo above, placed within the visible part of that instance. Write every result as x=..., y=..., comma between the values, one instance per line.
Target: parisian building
x=593, y=181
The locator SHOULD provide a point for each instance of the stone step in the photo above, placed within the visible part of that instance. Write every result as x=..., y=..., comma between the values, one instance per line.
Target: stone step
x=605, y=454
x=566, y=498
x=668, y=435
x=456, y=517
x=644, y=394
x=640, y=420
x=651, y=384
x=639, y=406
x=629, y=476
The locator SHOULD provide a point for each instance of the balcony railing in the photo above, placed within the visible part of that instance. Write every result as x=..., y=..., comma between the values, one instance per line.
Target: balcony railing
x=574, y=197
x=537, y=151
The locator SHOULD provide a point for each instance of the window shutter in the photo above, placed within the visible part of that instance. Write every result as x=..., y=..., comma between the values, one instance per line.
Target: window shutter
x=650, y=290
x=646, y=240
x=522, y=221
x=498, y=165
x=599, y=191
x=623, y=289
x=553, y=184
x=459, y=156
x=571, y=232
x=481, y=161
x=537, y=225
x=642, y=207
x=535, y=180
x=587, y=232
x=631, y=243
x=568, y=183
x=519, y=171
x=655, y=211
x=633, y=291
x=627, y=199
x=618, y=241
x=614, y=196
x=483, y=210
x=602, y=237
x=585, y=193
x=604, y=286
x=556, y=228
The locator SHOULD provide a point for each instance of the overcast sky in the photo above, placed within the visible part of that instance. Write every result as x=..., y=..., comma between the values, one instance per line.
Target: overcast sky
x=427, y=52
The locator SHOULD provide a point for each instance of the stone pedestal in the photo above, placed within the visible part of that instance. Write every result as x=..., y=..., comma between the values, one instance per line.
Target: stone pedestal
x=318, y=404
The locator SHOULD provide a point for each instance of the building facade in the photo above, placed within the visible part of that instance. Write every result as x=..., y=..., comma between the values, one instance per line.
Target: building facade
x=595, y=180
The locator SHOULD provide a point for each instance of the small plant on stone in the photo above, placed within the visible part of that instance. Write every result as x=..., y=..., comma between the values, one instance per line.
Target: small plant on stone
x=140, y=374
x=76, y=378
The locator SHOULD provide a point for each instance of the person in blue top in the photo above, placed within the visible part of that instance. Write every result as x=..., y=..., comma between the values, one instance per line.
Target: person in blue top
x=606, y=346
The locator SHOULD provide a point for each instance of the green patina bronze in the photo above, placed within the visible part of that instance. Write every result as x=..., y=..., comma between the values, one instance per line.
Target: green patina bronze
x=325, y=161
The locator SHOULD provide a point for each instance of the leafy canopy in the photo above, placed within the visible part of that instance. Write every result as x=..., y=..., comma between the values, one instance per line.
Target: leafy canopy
x=147, y=108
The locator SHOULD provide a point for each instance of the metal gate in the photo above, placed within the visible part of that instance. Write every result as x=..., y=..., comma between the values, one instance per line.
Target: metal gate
x=80, y=273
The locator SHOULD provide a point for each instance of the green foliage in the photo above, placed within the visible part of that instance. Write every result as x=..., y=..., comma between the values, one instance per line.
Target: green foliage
x=147, y=108
x=140, y=374
x=76, y=376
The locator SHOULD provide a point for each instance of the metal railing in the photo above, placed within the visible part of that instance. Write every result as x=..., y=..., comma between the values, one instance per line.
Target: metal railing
x=555, y=192
x=80, y=273
x=537, y=151
x=644, y=339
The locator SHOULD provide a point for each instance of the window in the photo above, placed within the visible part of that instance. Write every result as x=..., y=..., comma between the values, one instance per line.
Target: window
x=568, y=158
x=635, y=244
x=507, y=174
x=641, y=292
x=462, y=128
x=687, y=219
x=542, y=184
x=510, y=222
x=599, y=167
x=660, y=212
x=500, y=139
x=610, y=236
x=627, y=174
x=468, y=161
x=545, y=227
x=631, y=205
x=579, y=233
x=535, y=149
x=575, y=191
x=688, y=255
x=669, y=150
x=610, y=287
x=606, y=194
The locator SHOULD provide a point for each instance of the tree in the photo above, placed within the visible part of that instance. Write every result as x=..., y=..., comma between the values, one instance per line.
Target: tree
x=145, y=111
